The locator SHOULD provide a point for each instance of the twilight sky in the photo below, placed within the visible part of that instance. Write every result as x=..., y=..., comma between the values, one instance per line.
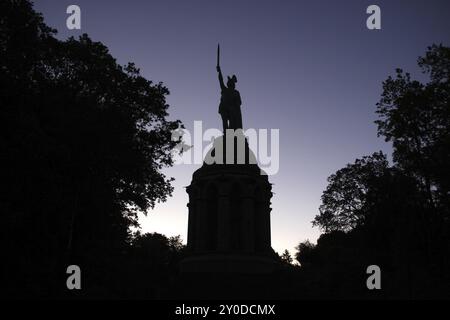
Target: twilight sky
x=311, y=69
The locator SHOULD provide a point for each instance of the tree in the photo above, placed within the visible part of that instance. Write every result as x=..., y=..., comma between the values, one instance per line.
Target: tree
x=396, y=215
x=286, y=257
x=157, y=252
x=83, y=140
x=415, y=116
x=345, y=201
x=304, y=254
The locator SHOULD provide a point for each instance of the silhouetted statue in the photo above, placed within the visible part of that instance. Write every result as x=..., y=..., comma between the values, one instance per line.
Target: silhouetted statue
x=230, y=101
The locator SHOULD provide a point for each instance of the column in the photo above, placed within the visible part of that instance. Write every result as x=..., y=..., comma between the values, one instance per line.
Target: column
x=248, y=221
x=223, y=218
x=191, y=240
x=266, y=216
x=200, y=225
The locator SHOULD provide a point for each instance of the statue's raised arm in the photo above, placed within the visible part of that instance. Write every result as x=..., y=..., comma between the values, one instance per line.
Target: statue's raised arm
x=222, y=84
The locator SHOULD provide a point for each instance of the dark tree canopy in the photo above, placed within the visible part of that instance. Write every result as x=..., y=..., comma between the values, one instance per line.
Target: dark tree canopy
x=415, y=116
x=83, y=143
x=304, y=253
x=286, y=257
x=346, y=199
x=395, y=215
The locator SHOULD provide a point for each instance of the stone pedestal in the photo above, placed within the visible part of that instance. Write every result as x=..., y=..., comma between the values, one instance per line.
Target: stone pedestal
x=229, y=214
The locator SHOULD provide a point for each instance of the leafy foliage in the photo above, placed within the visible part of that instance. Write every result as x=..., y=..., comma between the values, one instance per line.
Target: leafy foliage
x=304, y=254
x=416, y=118
x=345, y=202
x=395, y=216
x=286, y=257
x=83, y=143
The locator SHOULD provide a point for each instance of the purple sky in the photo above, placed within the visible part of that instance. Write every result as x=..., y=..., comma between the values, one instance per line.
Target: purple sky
x=308, y=68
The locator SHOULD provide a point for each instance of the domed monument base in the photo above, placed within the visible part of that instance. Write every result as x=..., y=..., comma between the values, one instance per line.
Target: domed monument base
x=229, y=212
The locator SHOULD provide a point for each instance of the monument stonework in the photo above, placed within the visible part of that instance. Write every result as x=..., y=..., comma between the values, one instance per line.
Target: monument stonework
x=229, y=203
